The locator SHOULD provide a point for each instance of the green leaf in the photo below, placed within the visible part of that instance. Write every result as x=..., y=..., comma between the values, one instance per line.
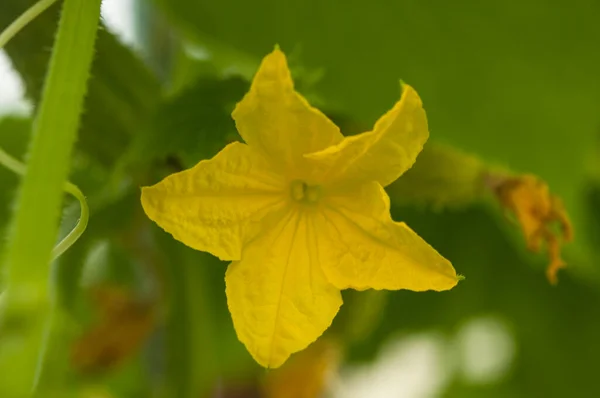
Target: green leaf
x=195, y=124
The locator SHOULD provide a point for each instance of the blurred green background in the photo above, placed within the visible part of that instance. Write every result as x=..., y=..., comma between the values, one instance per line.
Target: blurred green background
x=514, y=83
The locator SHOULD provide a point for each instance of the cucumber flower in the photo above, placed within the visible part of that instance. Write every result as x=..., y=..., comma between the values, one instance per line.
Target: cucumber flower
x=301, y=213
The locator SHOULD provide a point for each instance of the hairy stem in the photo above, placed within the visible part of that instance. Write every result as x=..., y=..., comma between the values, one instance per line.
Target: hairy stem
x=28, y=302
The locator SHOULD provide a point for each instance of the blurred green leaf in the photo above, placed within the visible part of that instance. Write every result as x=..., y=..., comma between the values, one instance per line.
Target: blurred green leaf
x=193, y=125
x=361, y=315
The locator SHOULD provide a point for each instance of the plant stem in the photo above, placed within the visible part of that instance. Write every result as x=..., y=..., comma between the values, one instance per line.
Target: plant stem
x=28, y=302
x=24, y=20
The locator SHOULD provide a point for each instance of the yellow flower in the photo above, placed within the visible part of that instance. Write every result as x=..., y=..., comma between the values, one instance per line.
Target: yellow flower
x=301, y=213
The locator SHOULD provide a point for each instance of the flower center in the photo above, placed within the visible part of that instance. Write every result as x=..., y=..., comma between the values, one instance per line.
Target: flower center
x=304, y=193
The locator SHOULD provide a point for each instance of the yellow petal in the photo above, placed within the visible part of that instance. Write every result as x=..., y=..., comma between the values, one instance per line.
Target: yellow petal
x=361, y=247
x=382, y=154
x=276, y=119
x=277, y=294
x=219, y=204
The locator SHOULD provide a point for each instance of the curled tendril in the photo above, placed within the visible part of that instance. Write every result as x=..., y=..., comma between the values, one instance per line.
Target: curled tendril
x=19, y=168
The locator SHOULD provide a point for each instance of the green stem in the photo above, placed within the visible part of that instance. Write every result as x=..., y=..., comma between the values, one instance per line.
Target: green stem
x=28, y=302
x=24, y=20
x=11, y=163
x=18, y=167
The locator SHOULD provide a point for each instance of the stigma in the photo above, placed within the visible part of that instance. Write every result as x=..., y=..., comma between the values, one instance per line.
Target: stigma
x=304, y=193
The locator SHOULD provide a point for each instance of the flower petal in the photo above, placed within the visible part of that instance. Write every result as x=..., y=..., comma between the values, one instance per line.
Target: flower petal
x=382, y=154
x=277, y=294
x=275, y=118
x=218, y=204
x=361, y=247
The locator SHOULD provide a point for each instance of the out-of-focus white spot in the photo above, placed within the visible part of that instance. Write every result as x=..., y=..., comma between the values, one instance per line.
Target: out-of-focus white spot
x=118, y=16
x=11, y=89
x=197, y=52
x=410, y=367
x=485, y=350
